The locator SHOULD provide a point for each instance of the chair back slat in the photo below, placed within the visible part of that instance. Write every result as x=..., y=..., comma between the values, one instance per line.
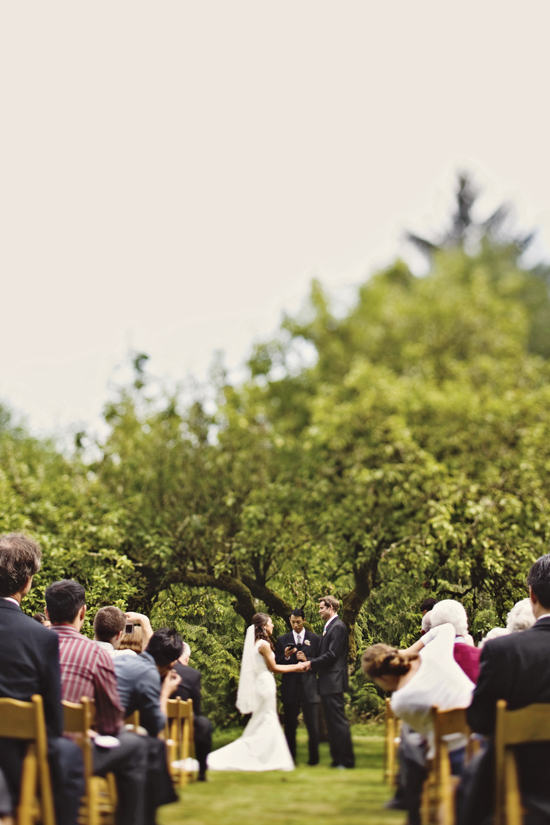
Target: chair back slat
x=17, y=719
x=25, y=720
x=515, y=727
x=447, y=722
x=76, y=718
x=530, y=724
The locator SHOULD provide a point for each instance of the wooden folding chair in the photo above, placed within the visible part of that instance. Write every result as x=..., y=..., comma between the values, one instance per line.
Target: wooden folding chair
x=180, y=741
x=25, y=720
x=438, y=796
x=100, y=801
x=391, y=744
x=515, y=727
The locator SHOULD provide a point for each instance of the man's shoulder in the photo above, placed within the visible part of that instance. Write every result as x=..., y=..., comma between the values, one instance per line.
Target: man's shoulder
x=17, y=625
x=11, y=614
x=534, y=642
x=337, y=623
x=137, y=663
x=69, y=635
x=285, y=637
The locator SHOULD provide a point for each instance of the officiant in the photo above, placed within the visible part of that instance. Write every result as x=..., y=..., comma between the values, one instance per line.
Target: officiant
x=299, y=690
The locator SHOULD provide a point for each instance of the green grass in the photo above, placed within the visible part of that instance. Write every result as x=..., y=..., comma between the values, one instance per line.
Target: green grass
x=307, y=795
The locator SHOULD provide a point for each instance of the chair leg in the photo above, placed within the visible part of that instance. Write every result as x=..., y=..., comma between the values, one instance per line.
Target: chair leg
x=93, y=802
x=513, y=807
x=26, y=808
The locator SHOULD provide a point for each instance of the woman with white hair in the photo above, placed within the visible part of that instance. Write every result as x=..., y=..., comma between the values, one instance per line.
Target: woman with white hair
x=520, y=617
x=449, y=611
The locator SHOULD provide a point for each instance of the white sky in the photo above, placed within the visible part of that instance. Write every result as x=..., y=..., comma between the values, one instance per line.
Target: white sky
x=174, y=173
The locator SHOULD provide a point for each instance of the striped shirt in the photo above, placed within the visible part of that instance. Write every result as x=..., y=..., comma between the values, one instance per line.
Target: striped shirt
x=87, y=670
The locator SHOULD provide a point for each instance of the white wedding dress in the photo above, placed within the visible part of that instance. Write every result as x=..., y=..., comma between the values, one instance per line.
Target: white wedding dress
x=263, y=746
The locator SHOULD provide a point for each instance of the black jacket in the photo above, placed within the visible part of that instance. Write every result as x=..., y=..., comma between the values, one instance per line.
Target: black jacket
x=332, y=662
x=291, y=681
x=29, y=664
x=516, y=668
x=189, y=687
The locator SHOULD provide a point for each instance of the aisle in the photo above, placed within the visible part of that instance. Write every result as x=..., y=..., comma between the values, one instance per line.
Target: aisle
x=303, y=797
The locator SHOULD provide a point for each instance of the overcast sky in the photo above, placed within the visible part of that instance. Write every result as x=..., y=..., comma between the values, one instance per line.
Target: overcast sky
x=175, y=173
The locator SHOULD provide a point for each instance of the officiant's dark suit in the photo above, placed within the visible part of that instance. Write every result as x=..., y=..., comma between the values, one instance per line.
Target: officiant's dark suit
x=332, y=668
x=300, y=690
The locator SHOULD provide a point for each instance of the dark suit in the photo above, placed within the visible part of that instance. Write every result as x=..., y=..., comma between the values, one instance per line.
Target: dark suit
x=332, y=668
x=190, y=688
x=300, y=690
x=515, y=668
x=29, y=664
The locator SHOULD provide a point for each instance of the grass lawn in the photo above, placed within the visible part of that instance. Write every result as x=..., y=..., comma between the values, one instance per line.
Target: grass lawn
x=307, y=795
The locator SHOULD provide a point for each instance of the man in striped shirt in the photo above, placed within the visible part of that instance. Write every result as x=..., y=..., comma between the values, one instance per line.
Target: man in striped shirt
x=87, y=670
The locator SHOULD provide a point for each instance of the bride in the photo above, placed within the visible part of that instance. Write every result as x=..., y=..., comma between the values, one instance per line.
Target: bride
x=263, y=746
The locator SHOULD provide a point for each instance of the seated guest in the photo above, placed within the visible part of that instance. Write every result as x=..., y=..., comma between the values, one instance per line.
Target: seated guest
x=139, y=685
x=142, y=629
x=132, y=641
x=412, y=752
x=520, y=617
x=449, y=611
x=494, y=633
x=420, y=681
x=190, y=688
x=40, y=617
x=109, y=630
x=87, y=670
x=29, y=664
x=139, y=679
x=515, y=668
x=427, y=605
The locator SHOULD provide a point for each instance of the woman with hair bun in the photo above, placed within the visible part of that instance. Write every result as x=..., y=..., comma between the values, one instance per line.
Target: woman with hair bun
x=418, y=682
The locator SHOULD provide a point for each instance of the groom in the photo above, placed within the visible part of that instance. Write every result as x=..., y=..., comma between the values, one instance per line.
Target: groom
x=332, y=667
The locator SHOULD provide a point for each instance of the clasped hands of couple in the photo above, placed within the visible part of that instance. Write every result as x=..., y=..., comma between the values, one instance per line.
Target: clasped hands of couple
x=301, y=656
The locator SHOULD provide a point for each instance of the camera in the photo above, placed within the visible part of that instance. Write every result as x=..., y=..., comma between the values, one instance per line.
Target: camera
x=129, y=628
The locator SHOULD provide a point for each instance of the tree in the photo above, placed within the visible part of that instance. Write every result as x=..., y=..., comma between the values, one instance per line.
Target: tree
x=388, y=467
x=52, y=498
x=500, y=248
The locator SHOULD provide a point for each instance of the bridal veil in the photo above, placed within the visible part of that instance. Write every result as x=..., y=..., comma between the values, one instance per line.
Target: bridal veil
x=246, y=693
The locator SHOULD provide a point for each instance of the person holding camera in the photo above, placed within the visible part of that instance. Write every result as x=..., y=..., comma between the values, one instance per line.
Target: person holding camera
x=299, y=690
x=136, y=634
x=140, y=687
